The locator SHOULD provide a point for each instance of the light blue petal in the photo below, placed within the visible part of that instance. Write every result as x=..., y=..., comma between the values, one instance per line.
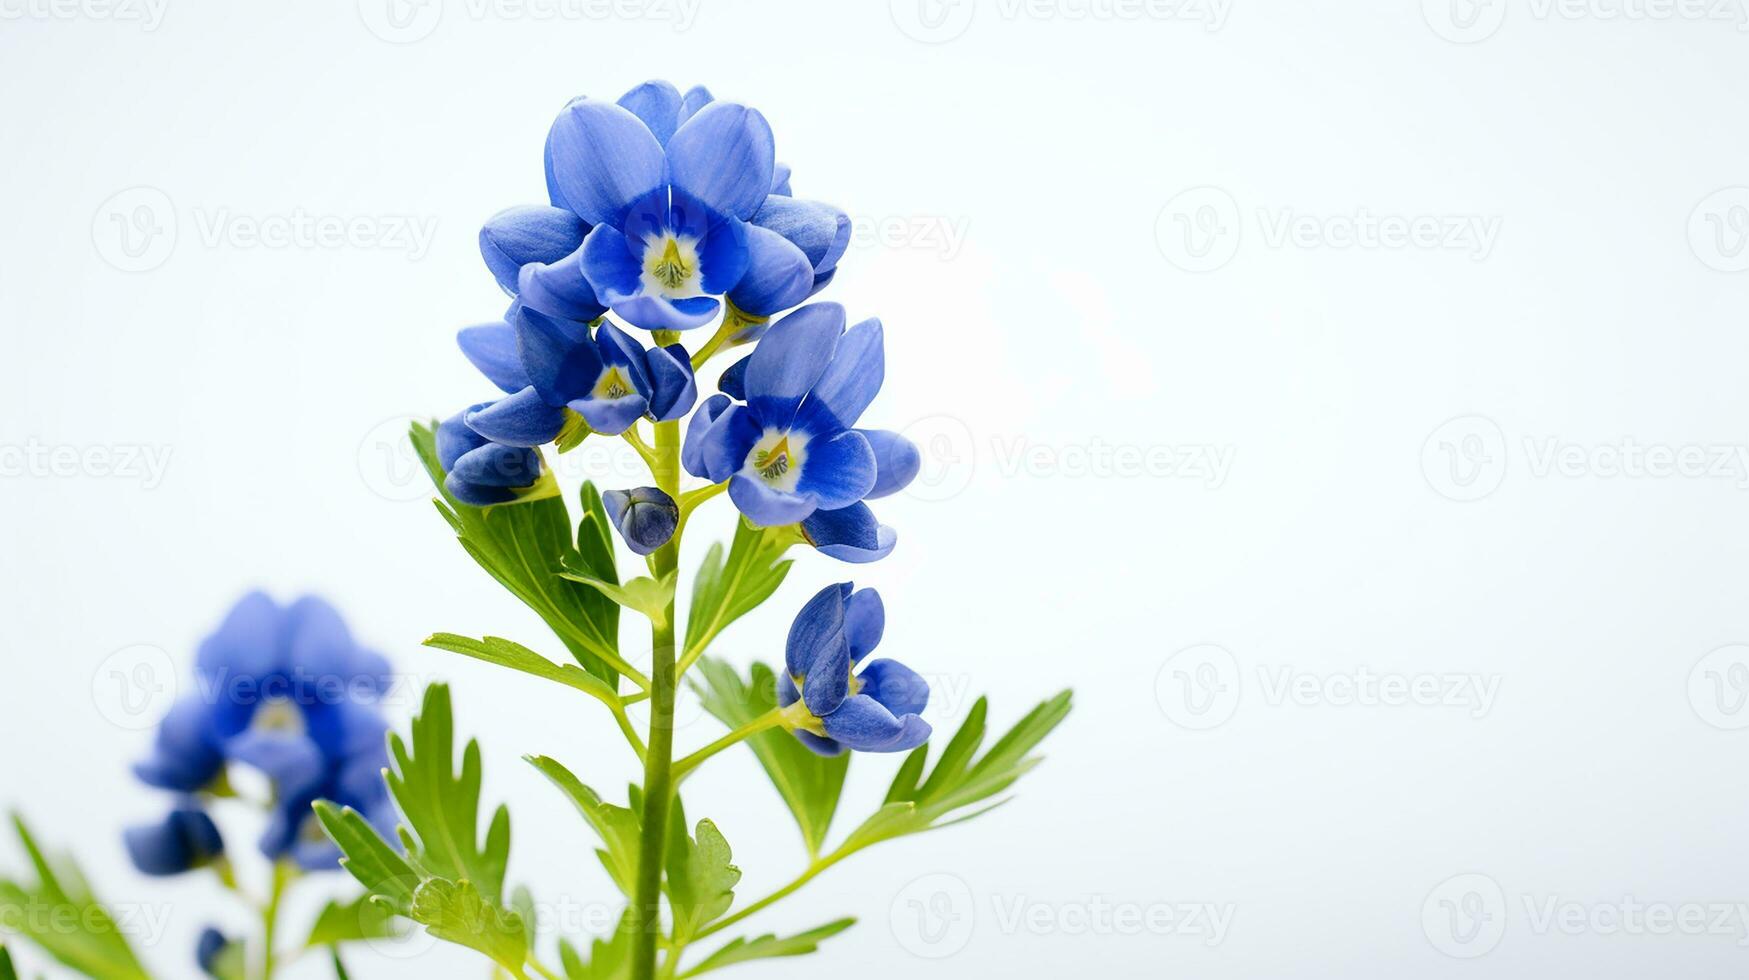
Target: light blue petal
x=723, y=156
x=897, y=687
x=692, y=448
x=838, y=471
x=611, y=416
x=790, y=359
x=849, y=534
x=780, y=179
x=849, y=383
x=523, y=419
x=673, y=389
x=777, y=277
x=514, y=237
x=560, y=289
x=865, y=725
x=766, y=507
x=865, y=619
x=246, y=644
x=659, y=313
x=292, y=762
x=897, y=461
x=696, y=98
x=493, y=465
x=821, y=231
x=604, y=158
x=554, y=195
x=318, y=642
x=657, y=103
x=491, y=347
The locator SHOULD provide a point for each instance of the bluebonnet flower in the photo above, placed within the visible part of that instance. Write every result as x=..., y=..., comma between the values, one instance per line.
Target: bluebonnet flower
x=185, y=839
x=287, y=691
x=547, y=365
x=479, y=472
x=877, y=710
x=789, y=451
x=535, y=253
x=646, y=517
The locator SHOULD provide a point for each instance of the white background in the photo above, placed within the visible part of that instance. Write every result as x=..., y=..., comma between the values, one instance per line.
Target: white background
x=1018, y=175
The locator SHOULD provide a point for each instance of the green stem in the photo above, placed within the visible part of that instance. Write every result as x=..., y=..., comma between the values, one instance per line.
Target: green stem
x=771, y=719
x=814, y=868
x=282, y=874
x=659, y=753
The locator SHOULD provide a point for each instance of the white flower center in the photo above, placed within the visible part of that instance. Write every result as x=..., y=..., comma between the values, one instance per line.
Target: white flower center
x=671, y=267
x=776, y=459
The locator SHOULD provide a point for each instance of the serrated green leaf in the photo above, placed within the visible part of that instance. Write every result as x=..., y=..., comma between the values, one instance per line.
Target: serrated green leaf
x=456, y=912
x=727, y=589
x=610, y=958
x=617, y=826
x=368, y=858
x=441, y=806
x=346, y=922
x=768, y=946
x=643, y=594
x=524, y=545
x=507, y=653
x=41, y=913
x=810, y=784
x=701, y=874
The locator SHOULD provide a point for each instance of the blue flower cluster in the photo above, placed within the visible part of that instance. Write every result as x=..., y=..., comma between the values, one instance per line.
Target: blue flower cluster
x=288, y=692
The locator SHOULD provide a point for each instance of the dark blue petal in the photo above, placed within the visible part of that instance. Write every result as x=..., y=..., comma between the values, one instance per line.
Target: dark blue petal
x=766, y=507
x=821, y=231
x=498, y=466
x=455, y=438
x=823, y=280
x=517, y=236
x=559, y=289
x=897, y=687
x=777, y=277
x=207, y=949
x=849, y=383
x=865, y=619
x=604, y=158
x=724, y=156
x=897, y=461
x=657, y=103
x=723, y=255
x=734, y=380
x=724, y=446
x=185, y=839
x=619, y=350
x=819, y=619
x=646, y=517
x=849, y=534
x=673, y=389
x=561, y=361
x=523, y=419
x=828, y=679
x=475, y=495
x=184, y=755
x=837, y=472
x=692, y=449
x=863, y=724
x=612, y=265
x=491, y=347
x=790, y=359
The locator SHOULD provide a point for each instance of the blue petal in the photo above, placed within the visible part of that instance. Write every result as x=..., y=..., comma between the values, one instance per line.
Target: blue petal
x=455, y=438
x=780, y=179
x=849, y=534
x=723, y=156
x=864, y=724
x=517, y=236
x=611, y=265
x=207, y=949
x=897, y=461
x=849, y=383
x=673, y=389
x=185, y=839
x=317, y=640
x=611, y=416
x=660, y=313
x=184, y=756
x=498, y=466
x=554, y=195
x=828, y=679
x=820, y=746
x=823, y=280
x=777, y=277
x=724, y=446
x=475, y=495
x=766, y=507
x=561, y=361
x=696, y=98
x=491, y=347
x=692, y=449
x=865, y=619
x=603, y=159
x=723, y=255
x=523, y=419
x=821, y=231
x=819, y=619
x=657, y=103
x=646, y=517
x=560, y=289
x=897, y=687
x=246, y=644
x=790, y=359
x=837, y=472
x=619, y=350
x=734, y=380
x=292, y=762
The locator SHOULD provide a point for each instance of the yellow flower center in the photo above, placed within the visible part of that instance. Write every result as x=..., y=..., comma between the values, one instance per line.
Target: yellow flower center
x=670, y=267
x=613, y=384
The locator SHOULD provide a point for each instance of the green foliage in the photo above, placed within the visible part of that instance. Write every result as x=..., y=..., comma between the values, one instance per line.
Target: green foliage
x=610, y=958
x=506, y=653
x=769, y=946
x=724, y=591
x=810, y=784
x=345, y=922
x=456, y=912
x=701, y=878
x=60, y=914
x=643, y=594
x=617, y=826
x=6, y=970
x=524, y=546
x=232, y=962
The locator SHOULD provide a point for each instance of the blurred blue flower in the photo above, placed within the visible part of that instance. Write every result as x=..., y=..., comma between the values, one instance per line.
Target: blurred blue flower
x=208, y=948
x=184, y=840
x=877, y=710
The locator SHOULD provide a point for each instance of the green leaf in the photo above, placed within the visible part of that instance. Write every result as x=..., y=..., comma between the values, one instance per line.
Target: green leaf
x=6, y=970
x=506, y=653
x=573, y=433
x=643, y=594
x=768, y=946
x=351, y=921
x=456, y=912
x=724, y=591
x=961, y=780
x=609, y=958
x=525, y=544
x=43, y=912
x=809, y=783
x=701, y=877
x=385, y=873
x=232, y=961
x=617, y=826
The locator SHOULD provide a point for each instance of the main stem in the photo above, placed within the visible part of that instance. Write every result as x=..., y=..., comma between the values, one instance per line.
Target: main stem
x=659, y=752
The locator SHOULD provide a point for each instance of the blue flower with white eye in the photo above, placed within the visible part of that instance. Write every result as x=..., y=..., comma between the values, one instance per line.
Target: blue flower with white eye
x=479, y=472
x=876, y=710
x=788, y=451
x=547, y=365
x=184, y=840
x=646, y=517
